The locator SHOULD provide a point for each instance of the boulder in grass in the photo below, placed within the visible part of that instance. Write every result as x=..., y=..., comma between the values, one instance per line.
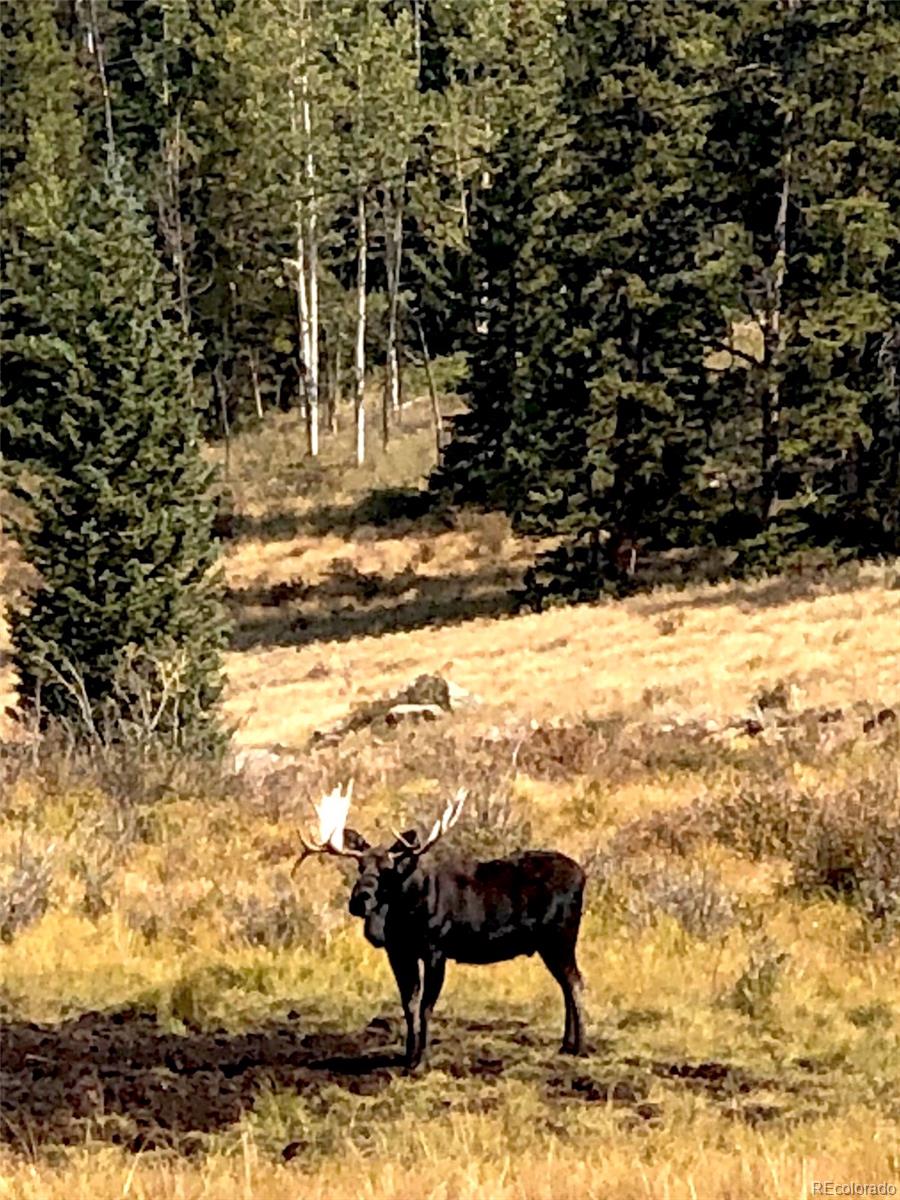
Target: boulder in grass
x=427, y=698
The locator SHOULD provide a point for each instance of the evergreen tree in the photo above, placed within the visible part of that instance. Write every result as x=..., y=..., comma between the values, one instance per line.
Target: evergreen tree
x=98, y=421
x=509, y=260
x=40, y=131
x=599, y=344
x=807, y=256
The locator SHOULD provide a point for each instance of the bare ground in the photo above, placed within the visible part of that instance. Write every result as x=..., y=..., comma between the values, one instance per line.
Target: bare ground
x=119, y=1076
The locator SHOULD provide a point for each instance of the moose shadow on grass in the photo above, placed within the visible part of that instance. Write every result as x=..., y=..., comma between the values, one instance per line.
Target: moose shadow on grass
x=119, y=1076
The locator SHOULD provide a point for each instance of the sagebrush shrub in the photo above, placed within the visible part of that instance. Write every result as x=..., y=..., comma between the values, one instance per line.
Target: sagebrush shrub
x=693, y=896
x=280, y=921
x=850, y=849
x=754, y=990
x=24, y=889
x=843, y=842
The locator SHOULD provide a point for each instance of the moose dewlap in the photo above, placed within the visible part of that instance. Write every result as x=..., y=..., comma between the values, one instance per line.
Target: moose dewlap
x=423, y=913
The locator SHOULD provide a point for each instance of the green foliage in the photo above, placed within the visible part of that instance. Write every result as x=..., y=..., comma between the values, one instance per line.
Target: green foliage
x=127, y=624
x=40, y=132
x=663, y=238
x=695, y=171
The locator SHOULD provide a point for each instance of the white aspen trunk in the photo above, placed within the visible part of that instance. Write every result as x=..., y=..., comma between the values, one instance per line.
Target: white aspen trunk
x=773, y=341
x=773, y=332
x=387, y=392
x=96, y=48
x=312, y=254
x=417, y=35
x=254, y=380
x=336, y=383
x=393, y=240
x=360, y=363
x=300, y=265
x=461, y=184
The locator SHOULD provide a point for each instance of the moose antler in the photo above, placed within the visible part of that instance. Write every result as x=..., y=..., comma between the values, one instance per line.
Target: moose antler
x=331, y=813
x=445, y=821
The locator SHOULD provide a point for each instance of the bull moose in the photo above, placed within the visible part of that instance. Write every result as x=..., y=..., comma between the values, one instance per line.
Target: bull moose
x=423, y=913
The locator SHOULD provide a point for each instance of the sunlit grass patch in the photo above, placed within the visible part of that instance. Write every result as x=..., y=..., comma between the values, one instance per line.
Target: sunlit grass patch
x=467, y=1157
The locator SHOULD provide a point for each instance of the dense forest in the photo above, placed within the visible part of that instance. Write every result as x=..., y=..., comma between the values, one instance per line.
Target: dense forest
x=661, y=240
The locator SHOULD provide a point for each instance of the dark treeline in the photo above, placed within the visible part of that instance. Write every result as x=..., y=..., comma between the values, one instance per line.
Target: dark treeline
x=663, y=236
x=687, y=273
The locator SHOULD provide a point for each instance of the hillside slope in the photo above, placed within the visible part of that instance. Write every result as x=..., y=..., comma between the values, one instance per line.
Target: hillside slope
x=332, y=609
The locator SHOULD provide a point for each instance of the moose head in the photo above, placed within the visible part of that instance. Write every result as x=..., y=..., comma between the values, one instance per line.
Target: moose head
x=423, y=913
x=383, y=869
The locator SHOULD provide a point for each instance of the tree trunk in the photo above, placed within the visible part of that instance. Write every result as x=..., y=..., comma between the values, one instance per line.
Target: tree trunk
x=312, y=256
x=773, y=339
x=393, y=250
x=299, y=265
x=334, y=395
x=97, y=50
x=305, y=236
x=219, y=383
x=171, y=223
x=461, y=184
x=360, y=364
x=432, y=394
x=253, y=360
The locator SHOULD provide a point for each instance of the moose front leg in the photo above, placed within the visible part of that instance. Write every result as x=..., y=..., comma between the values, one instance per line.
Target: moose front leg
x=434, y=981
x=409, y=972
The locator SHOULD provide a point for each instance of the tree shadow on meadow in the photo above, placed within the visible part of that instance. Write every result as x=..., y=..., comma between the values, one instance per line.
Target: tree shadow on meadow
x=758, y=595
x=349, y=603
x=384, y=513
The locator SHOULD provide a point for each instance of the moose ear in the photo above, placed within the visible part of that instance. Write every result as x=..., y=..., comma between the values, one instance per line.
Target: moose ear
x=405, y=842
x=354, y=840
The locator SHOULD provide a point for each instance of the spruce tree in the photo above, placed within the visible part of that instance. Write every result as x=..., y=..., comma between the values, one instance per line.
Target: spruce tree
x=513, y=282
x=804, y=437
x=610, y=312
x=127, y=623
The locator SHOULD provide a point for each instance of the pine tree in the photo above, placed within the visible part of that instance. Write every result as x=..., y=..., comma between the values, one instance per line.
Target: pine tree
x=806, y=256
x=508, y=265
x=127, y=621
x=599, y=348
x=40, y=131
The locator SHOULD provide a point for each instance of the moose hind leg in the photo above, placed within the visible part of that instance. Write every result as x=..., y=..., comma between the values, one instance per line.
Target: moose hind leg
x=564, y=970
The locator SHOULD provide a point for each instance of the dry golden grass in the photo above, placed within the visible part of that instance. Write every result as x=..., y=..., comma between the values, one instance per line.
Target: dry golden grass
x=820, y=1057
x=833, y=648
x=704, y=650
x=459, y=1161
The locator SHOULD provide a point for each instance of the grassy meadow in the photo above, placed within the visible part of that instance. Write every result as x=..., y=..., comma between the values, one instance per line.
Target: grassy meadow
x=741, y=944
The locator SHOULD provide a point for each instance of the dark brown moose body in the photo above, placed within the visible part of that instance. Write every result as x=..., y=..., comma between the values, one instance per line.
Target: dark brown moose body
x=492, y=911
x=468, y=912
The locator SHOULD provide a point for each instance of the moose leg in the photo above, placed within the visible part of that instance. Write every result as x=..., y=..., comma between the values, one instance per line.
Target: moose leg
x=564, y=970
x=410, y=975
x=434, y=981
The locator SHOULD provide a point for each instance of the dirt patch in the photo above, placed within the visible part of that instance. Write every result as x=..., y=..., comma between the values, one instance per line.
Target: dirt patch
x=121, y=1077
x=719, y=1079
